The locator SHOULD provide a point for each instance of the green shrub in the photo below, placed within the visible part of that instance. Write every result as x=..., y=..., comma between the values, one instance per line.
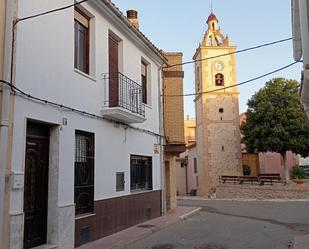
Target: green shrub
x=246, y=170
x=298, y=172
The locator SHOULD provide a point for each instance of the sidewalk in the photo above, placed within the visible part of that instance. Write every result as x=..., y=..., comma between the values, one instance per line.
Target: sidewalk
x=301, y=242
x=132, y=234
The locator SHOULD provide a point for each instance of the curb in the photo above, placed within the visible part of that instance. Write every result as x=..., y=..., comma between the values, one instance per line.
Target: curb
x=248, y=200
x=124, y=238
x=185, y=216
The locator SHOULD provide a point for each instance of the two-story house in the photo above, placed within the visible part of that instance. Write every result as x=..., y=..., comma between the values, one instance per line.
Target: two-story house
x=87, y=128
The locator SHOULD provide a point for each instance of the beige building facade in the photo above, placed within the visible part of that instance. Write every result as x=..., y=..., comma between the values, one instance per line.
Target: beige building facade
x=173, y=114
x=217, y=111
x=189, y=128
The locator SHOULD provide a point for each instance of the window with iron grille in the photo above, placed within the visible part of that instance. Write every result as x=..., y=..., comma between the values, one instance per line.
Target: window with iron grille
x=119, y=181
x=141, y=173
x=144, y=82
x=81, y=40
x=84, y=172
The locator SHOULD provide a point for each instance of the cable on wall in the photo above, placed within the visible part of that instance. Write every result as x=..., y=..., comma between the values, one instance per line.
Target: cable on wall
x=49, y=11
x=68, y=108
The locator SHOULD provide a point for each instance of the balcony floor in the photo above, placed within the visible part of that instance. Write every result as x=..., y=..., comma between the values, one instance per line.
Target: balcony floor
x=122, y=115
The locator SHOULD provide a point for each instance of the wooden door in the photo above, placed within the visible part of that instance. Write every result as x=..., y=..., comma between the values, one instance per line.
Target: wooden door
x=252, y=160
x=113, y=72
x=36, y=185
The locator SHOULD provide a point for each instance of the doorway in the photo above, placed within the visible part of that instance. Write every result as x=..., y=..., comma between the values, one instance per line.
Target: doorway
x=36, y=184
x=167, y=185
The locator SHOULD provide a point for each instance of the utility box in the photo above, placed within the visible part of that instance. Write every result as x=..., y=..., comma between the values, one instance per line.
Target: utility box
x=17, y=180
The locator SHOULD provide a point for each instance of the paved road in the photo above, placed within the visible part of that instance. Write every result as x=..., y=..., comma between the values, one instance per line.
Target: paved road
x=233, y=225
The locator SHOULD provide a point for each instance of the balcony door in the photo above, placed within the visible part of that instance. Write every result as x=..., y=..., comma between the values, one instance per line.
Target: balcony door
x=113, y=72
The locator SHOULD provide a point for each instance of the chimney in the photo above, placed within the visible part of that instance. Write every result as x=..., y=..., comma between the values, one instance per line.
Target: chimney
x=132, y=17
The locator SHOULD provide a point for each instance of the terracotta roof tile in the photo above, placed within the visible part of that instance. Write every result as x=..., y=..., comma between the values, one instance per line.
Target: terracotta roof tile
x=137, y=31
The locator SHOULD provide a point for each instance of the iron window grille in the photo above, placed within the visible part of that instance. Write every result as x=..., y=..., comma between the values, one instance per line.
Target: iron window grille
x=141, y=173
x=84, y=172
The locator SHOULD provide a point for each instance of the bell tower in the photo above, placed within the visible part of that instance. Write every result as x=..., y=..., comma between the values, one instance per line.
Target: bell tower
x=217, y=110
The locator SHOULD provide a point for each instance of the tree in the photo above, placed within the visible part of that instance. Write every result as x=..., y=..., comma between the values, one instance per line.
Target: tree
x=276, y=121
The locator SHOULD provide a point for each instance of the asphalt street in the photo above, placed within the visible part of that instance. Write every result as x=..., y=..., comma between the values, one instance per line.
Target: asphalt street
x=232, y=225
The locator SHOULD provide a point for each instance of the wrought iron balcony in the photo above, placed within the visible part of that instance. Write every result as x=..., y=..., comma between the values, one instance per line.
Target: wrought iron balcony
x=122, y=99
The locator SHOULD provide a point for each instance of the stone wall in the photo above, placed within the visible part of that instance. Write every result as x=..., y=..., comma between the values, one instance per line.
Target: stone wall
x=291, y=191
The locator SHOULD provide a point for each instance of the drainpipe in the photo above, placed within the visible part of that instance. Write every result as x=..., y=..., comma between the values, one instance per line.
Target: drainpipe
x=161, y=131
x=187, y=187
x=11, y=11
x=4, y=126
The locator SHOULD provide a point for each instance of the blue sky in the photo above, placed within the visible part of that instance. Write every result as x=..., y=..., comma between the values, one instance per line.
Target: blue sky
x=178, y=25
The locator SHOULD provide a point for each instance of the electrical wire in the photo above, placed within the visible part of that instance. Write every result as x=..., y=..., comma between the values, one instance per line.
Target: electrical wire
x=231, y=53
x=239, y=84
x=49, y=11
x=168, y=66
x=45, y=101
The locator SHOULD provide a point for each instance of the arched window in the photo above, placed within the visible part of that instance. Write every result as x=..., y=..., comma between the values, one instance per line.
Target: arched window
x=219, y=40
x=198, y=78
x=219, y=79
x=210, y=40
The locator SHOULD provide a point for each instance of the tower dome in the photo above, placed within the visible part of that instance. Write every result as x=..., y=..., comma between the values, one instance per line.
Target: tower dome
x=212, y=17
x=214, y=35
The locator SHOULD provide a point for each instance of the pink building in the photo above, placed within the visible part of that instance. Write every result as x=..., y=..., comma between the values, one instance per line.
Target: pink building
x=266, y=162
x=186, y=169
x=186, y=172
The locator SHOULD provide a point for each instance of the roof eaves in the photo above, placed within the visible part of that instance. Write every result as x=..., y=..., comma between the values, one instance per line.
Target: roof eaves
x=140, y=34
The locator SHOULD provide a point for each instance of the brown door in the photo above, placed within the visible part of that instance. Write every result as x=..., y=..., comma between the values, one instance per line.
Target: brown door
x=113, y=72
x=167, y=185
x=36, y=185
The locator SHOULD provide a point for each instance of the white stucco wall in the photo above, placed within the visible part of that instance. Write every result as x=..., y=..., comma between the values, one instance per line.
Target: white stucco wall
x=45, y=68
x=303, y=161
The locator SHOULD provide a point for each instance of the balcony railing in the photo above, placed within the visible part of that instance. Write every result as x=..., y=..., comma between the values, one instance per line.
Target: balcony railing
x=123, y=93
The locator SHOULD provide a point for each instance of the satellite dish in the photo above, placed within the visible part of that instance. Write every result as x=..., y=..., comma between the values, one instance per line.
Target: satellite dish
x=296, y=31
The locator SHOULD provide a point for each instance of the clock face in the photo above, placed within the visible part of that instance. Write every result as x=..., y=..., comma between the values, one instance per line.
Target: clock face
x=219, y=66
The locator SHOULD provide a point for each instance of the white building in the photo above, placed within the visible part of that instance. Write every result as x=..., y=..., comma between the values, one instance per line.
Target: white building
x=300, y=24
x=91, y=164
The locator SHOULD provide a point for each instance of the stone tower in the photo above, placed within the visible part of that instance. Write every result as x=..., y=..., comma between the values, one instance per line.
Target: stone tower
x=217, y=112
